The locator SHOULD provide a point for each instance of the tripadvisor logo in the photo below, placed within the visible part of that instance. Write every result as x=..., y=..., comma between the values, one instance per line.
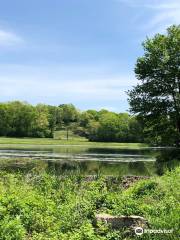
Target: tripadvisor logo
x=139, y=231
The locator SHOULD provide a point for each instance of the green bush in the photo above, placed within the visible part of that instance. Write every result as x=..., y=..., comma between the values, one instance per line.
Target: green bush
x=11, y=229
x=38, y=206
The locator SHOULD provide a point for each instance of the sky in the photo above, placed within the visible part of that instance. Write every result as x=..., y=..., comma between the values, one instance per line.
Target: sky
x=76, y=51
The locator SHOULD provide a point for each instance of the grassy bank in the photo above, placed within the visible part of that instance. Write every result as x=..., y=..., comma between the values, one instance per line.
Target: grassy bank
x=42, y=206
x=74, y=142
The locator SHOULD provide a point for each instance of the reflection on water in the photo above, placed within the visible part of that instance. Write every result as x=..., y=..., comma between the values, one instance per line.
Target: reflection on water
x=167, y=160
x=107, y=161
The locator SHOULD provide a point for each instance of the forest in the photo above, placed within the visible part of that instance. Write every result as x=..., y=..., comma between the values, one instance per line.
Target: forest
x=20, y=119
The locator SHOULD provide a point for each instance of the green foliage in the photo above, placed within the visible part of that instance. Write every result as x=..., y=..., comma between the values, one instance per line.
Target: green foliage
x=16, y=119
x=113, y=127
x=144, y=188
x=19, y=119
x=41, y=123
x=12, y=229
x=69, y=113
x=38, y=205
x=156, y=99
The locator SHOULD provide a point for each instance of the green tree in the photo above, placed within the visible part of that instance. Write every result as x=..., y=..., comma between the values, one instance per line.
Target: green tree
x=135, y=130
x=83, y=123
x=85, y=117
x=123, y=134
x=92, y=130
x=41, y=123
x=94, y=114
x=54, y=118
x=19, y=116
x=70, y=115
x=156, y=98
x=109, y=127
x=4, y=119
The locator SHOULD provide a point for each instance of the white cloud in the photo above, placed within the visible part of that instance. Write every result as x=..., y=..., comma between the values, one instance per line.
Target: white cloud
x=8, y=38
x=154, y=4
x=163, y=13
x=19, y=82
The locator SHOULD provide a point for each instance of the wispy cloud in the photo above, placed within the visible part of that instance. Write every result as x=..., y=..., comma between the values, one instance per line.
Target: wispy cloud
x=154, y=4
x=159, y=14
x=8, y=38
x=44, y=85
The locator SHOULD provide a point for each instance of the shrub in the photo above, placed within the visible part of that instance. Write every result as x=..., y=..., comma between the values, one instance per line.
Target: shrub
x=43, y=206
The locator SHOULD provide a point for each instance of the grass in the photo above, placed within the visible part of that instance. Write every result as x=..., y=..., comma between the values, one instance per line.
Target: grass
x=42, y=206
x=72, y=142
x=62, y=135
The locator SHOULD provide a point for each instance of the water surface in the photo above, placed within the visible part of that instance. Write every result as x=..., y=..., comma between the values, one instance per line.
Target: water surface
x=87, y=160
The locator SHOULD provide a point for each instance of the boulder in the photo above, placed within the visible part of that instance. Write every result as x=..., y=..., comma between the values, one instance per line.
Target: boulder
x=117, y=222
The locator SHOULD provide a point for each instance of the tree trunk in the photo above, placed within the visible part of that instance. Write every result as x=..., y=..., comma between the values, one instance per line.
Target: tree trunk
x=67, y=133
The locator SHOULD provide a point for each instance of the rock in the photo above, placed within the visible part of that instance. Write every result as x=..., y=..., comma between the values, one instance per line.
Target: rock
x=117, y=222
x=127, y=181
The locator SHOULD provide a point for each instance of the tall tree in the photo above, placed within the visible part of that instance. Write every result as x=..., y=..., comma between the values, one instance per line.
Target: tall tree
x=70, y=115
x=54, y=118
x=41, y=124
x=156, y=98
x=20, y=116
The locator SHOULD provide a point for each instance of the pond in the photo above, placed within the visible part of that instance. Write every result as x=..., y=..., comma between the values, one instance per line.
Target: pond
x=88, y=160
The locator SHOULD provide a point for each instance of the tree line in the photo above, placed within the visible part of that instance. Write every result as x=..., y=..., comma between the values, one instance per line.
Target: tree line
x=20, y=119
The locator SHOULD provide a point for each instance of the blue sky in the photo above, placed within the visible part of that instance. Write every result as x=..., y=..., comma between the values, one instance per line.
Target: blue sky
x=76, y=51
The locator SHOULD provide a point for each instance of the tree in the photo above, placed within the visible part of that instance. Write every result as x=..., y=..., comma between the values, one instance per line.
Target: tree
x=54, y=118
x=135, y=130
x=4, y=119
x=85, y=117
x=19, y=117
x=94, y=114
x=109, y=127
x=92, y=130
x=41, y=124
x=156, y=98
x=70, y=115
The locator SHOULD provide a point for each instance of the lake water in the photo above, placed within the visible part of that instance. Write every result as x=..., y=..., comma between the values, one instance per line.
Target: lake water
x=89, y=161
